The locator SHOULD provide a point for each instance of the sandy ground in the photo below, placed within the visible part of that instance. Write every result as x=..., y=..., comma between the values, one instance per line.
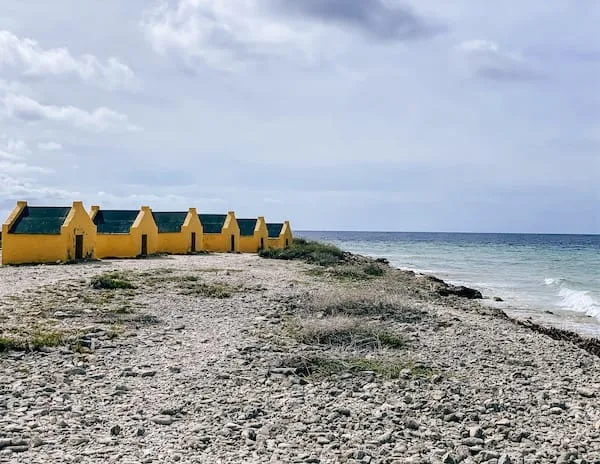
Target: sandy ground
x=233, y=358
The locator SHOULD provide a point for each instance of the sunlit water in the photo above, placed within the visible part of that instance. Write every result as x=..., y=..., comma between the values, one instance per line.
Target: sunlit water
x=551, y=278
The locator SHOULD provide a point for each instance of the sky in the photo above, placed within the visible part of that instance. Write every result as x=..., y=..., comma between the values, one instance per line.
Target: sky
x=384, y=115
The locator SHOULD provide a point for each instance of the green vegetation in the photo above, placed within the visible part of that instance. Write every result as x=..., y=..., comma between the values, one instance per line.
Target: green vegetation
x=373, y=270
x=34, y=341
x=369, y=304
x=345, y=332
x=111, y=281
x=390, y=369
x=311, y=252
x=350, y=272
x=218, y=290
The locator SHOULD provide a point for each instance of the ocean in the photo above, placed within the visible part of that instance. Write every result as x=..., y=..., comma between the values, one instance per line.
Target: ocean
x=553, y=279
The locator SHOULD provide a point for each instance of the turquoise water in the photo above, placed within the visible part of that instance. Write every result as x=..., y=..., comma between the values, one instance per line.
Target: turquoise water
x=532, y=273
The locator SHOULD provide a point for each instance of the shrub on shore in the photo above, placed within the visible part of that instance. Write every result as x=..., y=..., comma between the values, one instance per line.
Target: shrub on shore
x=360, y=303
x=34, y=341
x=208, y=290
x=344, y=331
x=308, y=251
x=111, y=281
x=325, y=366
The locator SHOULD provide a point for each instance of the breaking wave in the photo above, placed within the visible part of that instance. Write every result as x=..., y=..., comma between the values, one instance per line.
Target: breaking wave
x=572, y=299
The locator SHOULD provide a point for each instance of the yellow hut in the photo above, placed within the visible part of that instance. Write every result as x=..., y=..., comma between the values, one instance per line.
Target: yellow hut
x=47, y=234
x=178, y=232
x=220, y=232
x=253, y=234
x=280, y=234
x=124, y=233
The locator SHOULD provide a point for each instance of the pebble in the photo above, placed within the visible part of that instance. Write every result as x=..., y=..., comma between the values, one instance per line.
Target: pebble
x=217, y=380
x=162, y=420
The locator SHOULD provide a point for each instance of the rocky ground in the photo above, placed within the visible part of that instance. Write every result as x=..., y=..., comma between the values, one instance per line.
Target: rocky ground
x=234, y=358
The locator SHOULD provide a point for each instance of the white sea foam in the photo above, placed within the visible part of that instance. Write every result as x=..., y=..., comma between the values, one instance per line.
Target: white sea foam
x=580, y=301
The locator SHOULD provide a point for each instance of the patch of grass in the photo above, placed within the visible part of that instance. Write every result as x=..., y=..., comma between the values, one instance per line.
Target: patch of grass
x=309, y=251
x=361, y=304
x=34, y=341
x=115, y=331
x=111, y=281
x=389, y=369
x=352, y=272
x=146, y=319
x=124, y=309
x=345, y=332
x=218, y=290
x=373, y=270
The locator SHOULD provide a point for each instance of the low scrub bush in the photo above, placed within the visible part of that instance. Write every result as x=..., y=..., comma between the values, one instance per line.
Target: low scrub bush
x=343, y=331
x=34, y=341
x=111, y=281
x=326, y=366
x=309, y=251
x=366, y=304
x=218, y=290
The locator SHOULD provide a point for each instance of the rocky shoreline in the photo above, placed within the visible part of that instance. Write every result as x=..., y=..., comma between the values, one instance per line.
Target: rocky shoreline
x=234, y=358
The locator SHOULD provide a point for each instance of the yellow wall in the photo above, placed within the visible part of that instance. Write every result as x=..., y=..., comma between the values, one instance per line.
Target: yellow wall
x=251, y=244
x=286, y=234
x=128, y=245
x=43, y=248
x=39, y=248
x=221, y=243
x=181, y=242
x=78, y=222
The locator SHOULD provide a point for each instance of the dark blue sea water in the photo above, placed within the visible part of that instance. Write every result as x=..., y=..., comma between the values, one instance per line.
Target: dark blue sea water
x=532, y=273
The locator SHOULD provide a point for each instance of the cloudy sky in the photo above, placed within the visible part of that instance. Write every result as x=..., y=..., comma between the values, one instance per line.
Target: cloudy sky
x=336, y=114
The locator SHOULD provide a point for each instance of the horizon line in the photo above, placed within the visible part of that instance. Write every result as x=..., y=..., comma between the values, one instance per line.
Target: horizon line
x=447, y=232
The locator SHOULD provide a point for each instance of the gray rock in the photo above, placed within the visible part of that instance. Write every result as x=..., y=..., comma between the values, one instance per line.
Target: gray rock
x=504, y=459
x=586, y=392
x=472, y=441
x=412, y=424
x=162, y=419
x=476, y=432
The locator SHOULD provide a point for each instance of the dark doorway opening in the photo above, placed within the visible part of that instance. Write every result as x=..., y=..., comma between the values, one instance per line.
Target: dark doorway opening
x=193, y=242
x=144, y=245
x=262, y=243
x=78, y=246
x=232, y=243
x=287, y=242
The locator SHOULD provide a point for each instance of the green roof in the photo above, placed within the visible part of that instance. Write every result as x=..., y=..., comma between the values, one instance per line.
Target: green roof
x=247, y=227
x=169, y=222
x=40, y=220
x=212, y=223
x=274, y=230
x=112, y=221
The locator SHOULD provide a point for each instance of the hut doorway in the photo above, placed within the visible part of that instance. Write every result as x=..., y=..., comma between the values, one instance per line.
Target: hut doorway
x=144, y=245
x=193, y=242
x=78, y=246
x=233, y=243
x=262, y=243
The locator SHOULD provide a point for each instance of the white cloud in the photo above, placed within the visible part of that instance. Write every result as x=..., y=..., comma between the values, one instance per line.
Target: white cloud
x=489, y=61
x=13, y=153
x=99, y=120
x=12, y=166
x=230, y=34
x=13, y=188
x=224, y=34
x=28, y=58
x=50, y=146
x=16, y=147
